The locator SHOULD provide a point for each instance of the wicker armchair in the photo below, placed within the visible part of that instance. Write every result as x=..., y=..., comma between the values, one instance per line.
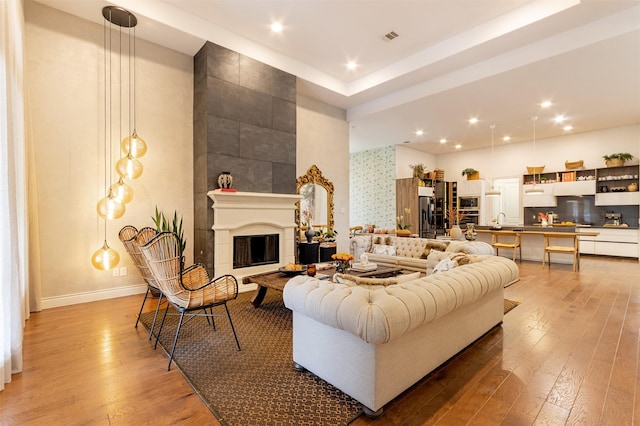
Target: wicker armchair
x=187, y=290
x=132, y=239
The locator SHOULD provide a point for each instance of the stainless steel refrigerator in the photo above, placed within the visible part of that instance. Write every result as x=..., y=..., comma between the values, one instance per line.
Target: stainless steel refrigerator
x=427, y=219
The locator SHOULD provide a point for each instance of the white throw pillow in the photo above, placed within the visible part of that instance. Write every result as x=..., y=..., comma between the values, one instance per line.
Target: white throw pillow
x=444, y=265
x=434, y=258
x=384, y=249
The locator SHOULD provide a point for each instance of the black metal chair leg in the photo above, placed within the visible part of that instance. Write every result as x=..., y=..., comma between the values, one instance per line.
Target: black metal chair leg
x=155, y=316
x=175, y=340
x=232, y=327
x=161, y=325
x=143, y=302
x=213, y=318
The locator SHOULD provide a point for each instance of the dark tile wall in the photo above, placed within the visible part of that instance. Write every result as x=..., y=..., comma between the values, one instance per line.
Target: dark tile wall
x=244, y=122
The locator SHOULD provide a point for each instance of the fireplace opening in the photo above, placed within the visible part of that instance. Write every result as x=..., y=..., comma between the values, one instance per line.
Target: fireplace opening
x=254, y=250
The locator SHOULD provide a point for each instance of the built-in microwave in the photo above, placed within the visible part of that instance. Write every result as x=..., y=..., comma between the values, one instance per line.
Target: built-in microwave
x=465, y=203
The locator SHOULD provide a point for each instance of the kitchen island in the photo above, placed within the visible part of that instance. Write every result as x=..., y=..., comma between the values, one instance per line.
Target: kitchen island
x=532, y=239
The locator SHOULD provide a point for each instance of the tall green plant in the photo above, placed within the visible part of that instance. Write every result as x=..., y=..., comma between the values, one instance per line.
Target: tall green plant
x=175, y=226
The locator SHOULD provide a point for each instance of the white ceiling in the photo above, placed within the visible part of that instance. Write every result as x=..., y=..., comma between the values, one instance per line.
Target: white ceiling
x=453, y=59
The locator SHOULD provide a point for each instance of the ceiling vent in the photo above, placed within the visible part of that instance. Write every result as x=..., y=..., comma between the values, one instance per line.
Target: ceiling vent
x=391, y=35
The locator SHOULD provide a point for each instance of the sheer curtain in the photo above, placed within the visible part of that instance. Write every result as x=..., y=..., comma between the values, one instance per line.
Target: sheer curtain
x=14, y=303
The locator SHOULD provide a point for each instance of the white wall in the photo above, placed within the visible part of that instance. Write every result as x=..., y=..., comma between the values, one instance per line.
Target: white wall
x=512, y=159
x=323, y=140
x=406, y=156
x=65, y=84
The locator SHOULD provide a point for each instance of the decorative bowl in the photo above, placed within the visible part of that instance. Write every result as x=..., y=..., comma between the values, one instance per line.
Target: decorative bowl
x=293, y=272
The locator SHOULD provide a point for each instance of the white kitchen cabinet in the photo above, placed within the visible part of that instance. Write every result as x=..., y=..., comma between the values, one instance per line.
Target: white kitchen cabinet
x=544, y=199
x=610, y=242
x=472, y=188
x=581, y=187
x=617, y=199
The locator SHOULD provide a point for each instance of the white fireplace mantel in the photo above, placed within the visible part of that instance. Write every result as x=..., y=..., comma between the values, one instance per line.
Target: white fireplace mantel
x=251, y=213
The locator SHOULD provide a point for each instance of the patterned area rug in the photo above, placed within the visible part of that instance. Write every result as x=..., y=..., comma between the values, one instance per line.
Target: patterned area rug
x=509, y=305
x=257, y=385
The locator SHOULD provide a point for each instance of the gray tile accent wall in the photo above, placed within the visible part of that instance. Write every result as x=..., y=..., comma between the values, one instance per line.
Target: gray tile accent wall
x=244, y=122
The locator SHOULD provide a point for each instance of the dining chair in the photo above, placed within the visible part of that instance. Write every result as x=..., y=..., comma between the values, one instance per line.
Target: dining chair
x=189, y=291
x=572, y=249
x=513, y=243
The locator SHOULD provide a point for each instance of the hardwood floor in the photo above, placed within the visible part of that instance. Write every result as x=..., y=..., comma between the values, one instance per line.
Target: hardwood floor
x=567, y=355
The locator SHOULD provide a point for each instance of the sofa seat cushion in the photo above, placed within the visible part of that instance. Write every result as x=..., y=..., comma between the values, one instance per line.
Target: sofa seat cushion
x=378, y=314
x=383, y=259
x=412, y=263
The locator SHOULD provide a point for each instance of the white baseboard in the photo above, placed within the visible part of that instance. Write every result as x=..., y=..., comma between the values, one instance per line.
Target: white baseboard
x=92, y=296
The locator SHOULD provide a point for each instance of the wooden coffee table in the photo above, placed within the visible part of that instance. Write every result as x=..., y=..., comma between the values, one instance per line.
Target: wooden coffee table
x=277, y=280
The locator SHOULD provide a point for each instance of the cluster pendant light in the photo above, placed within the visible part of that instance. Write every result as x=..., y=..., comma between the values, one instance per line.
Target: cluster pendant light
x=492, y=192
x=534, y=189
x=112, y=206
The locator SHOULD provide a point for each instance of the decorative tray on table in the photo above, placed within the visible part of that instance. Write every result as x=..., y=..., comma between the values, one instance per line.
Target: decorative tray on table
x=361, y=267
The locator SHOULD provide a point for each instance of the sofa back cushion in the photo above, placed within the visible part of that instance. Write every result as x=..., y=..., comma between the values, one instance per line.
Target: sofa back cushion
x=387, y=240
x=470, y=247
x=410, y=247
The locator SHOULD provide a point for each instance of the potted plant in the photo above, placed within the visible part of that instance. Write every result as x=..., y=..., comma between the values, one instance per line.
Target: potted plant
x=471, y=174
x=175, y=226
x=330, y=235
x=403, y=228
x=418, y=170
x=615, y=160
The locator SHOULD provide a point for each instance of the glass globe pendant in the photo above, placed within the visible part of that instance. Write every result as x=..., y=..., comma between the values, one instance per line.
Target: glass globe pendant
x=109, y=208
x=105, y=258
x=122, y=192
x=129, y=167
x=134, y=145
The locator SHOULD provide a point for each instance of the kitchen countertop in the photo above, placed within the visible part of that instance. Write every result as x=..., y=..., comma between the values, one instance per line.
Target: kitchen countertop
x=553, y=228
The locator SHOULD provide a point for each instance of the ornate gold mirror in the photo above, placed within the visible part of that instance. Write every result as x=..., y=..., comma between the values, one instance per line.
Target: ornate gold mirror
x=317, y=199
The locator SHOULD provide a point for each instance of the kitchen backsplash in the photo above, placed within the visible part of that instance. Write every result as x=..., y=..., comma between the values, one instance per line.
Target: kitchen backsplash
x=582, y=210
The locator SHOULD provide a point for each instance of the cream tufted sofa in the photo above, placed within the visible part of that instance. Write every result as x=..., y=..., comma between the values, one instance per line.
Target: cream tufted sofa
x=373, y=341
x=410, y=253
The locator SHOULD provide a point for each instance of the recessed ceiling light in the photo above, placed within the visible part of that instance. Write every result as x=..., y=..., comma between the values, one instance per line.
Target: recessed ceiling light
x=545, y=104
x=276, y=27
x=443, y=140
x=419, y=132
x=352, y=65
x=473, y=120
x=559, y=118
x=506, y=138
x=458, y=146
x=567, y=128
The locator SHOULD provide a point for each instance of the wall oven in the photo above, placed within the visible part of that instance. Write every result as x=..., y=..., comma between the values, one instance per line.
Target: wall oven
x=470, y=208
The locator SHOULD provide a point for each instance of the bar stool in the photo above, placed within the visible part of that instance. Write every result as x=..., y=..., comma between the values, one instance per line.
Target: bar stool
x=549, y=248
x=512, y=244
